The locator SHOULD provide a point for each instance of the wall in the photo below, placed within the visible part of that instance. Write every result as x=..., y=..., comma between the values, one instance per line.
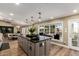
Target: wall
x=2, y=23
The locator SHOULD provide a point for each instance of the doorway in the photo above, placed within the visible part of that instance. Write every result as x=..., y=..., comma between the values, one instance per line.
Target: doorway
x=73, y=34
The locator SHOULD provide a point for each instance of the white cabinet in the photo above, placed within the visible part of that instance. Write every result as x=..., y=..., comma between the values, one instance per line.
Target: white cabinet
x=41, y=48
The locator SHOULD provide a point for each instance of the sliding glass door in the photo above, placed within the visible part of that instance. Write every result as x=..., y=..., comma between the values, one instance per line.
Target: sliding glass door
x=74, y=35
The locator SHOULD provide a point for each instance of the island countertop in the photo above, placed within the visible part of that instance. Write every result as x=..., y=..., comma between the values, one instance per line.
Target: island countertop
x=41, y=38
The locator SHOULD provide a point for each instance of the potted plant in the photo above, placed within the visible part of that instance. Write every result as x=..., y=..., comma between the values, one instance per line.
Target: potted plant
x=32, y=34
x=32, y=30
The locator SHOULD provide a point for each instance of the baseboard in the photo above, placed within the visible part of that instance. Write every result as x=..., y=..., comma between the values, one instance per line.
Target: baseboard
x=64, y=46
x=59, y=44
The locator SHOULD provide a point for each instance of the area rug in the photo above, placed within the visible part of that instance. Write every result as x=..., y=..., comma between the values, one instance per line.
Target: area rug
x=4, y=46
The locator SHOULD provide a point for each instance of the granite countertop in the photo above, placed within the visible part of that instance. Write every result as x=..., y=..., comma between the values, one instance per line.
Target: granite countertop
x=41, y=38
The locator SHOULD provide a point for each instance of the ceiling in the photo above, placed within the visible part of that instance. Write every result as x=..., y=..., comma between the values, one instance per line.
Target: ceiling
x=26, y=10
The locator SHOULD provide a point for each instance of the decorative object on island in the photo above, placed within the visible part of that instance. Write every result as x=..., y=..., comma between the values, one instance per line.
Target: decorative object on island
x=32, y=30
x=32, y=35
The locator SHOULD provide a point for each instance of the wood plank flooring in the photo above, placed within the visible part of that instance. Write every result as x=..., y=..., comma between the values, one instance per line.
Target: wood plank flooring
x=61, y=51
x=14, y=50
x=55, y=50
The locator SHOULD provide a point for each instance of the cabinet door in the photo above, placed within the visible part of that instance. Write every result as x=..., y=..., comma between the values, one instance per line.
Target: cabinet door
x=47, y=47
x=24, y=44
x=19, y=41
x=32, y=49
x=39, y=49
x=28, y=47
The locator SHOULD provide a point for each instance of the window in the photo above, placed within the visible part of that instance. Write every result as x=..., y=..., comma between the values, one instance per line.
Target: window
x=56, y=30
x=6, y=29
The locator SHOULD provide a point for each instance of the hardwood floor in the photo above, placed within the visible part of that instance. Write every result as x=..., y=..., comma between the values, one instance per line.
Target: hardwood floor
x=55, y=50
x=61, y=51
x=14, y=50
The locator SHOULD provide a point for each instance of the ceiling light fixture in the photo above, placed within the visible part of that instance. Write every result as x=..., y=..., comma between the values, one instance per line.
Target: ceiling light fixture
x=39, y=19
x=75, y=11
x=11, y=14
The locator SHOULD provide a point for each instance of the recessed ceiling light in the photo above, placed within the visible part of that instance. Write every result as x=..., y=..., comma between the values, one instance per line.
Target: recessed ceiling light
x=0, y=13
x=75, y=11
x=11, y=14
x=39, y=20
x=1, y=18
x=51, y=17
x=18, y=26
x=17, y=3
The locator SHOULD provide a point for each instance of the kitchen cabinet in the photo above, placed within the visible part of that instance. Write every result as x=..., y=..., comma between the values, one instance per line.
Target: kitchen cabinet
x=33, y=48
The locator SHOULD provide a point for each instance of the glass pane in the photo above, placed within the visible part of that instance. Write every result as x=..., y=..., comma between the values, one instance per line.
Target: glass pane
x=52, y=29
x=75, y=27
x=56, y=30
x=75, y=33
x=74, y=43
x=46, y=29
x=41, y=29
x=59, y=28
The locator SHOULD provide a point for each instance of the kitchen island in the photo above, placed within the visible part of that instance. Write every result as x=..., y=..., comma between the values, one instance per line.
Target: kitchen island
x=32, y=47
